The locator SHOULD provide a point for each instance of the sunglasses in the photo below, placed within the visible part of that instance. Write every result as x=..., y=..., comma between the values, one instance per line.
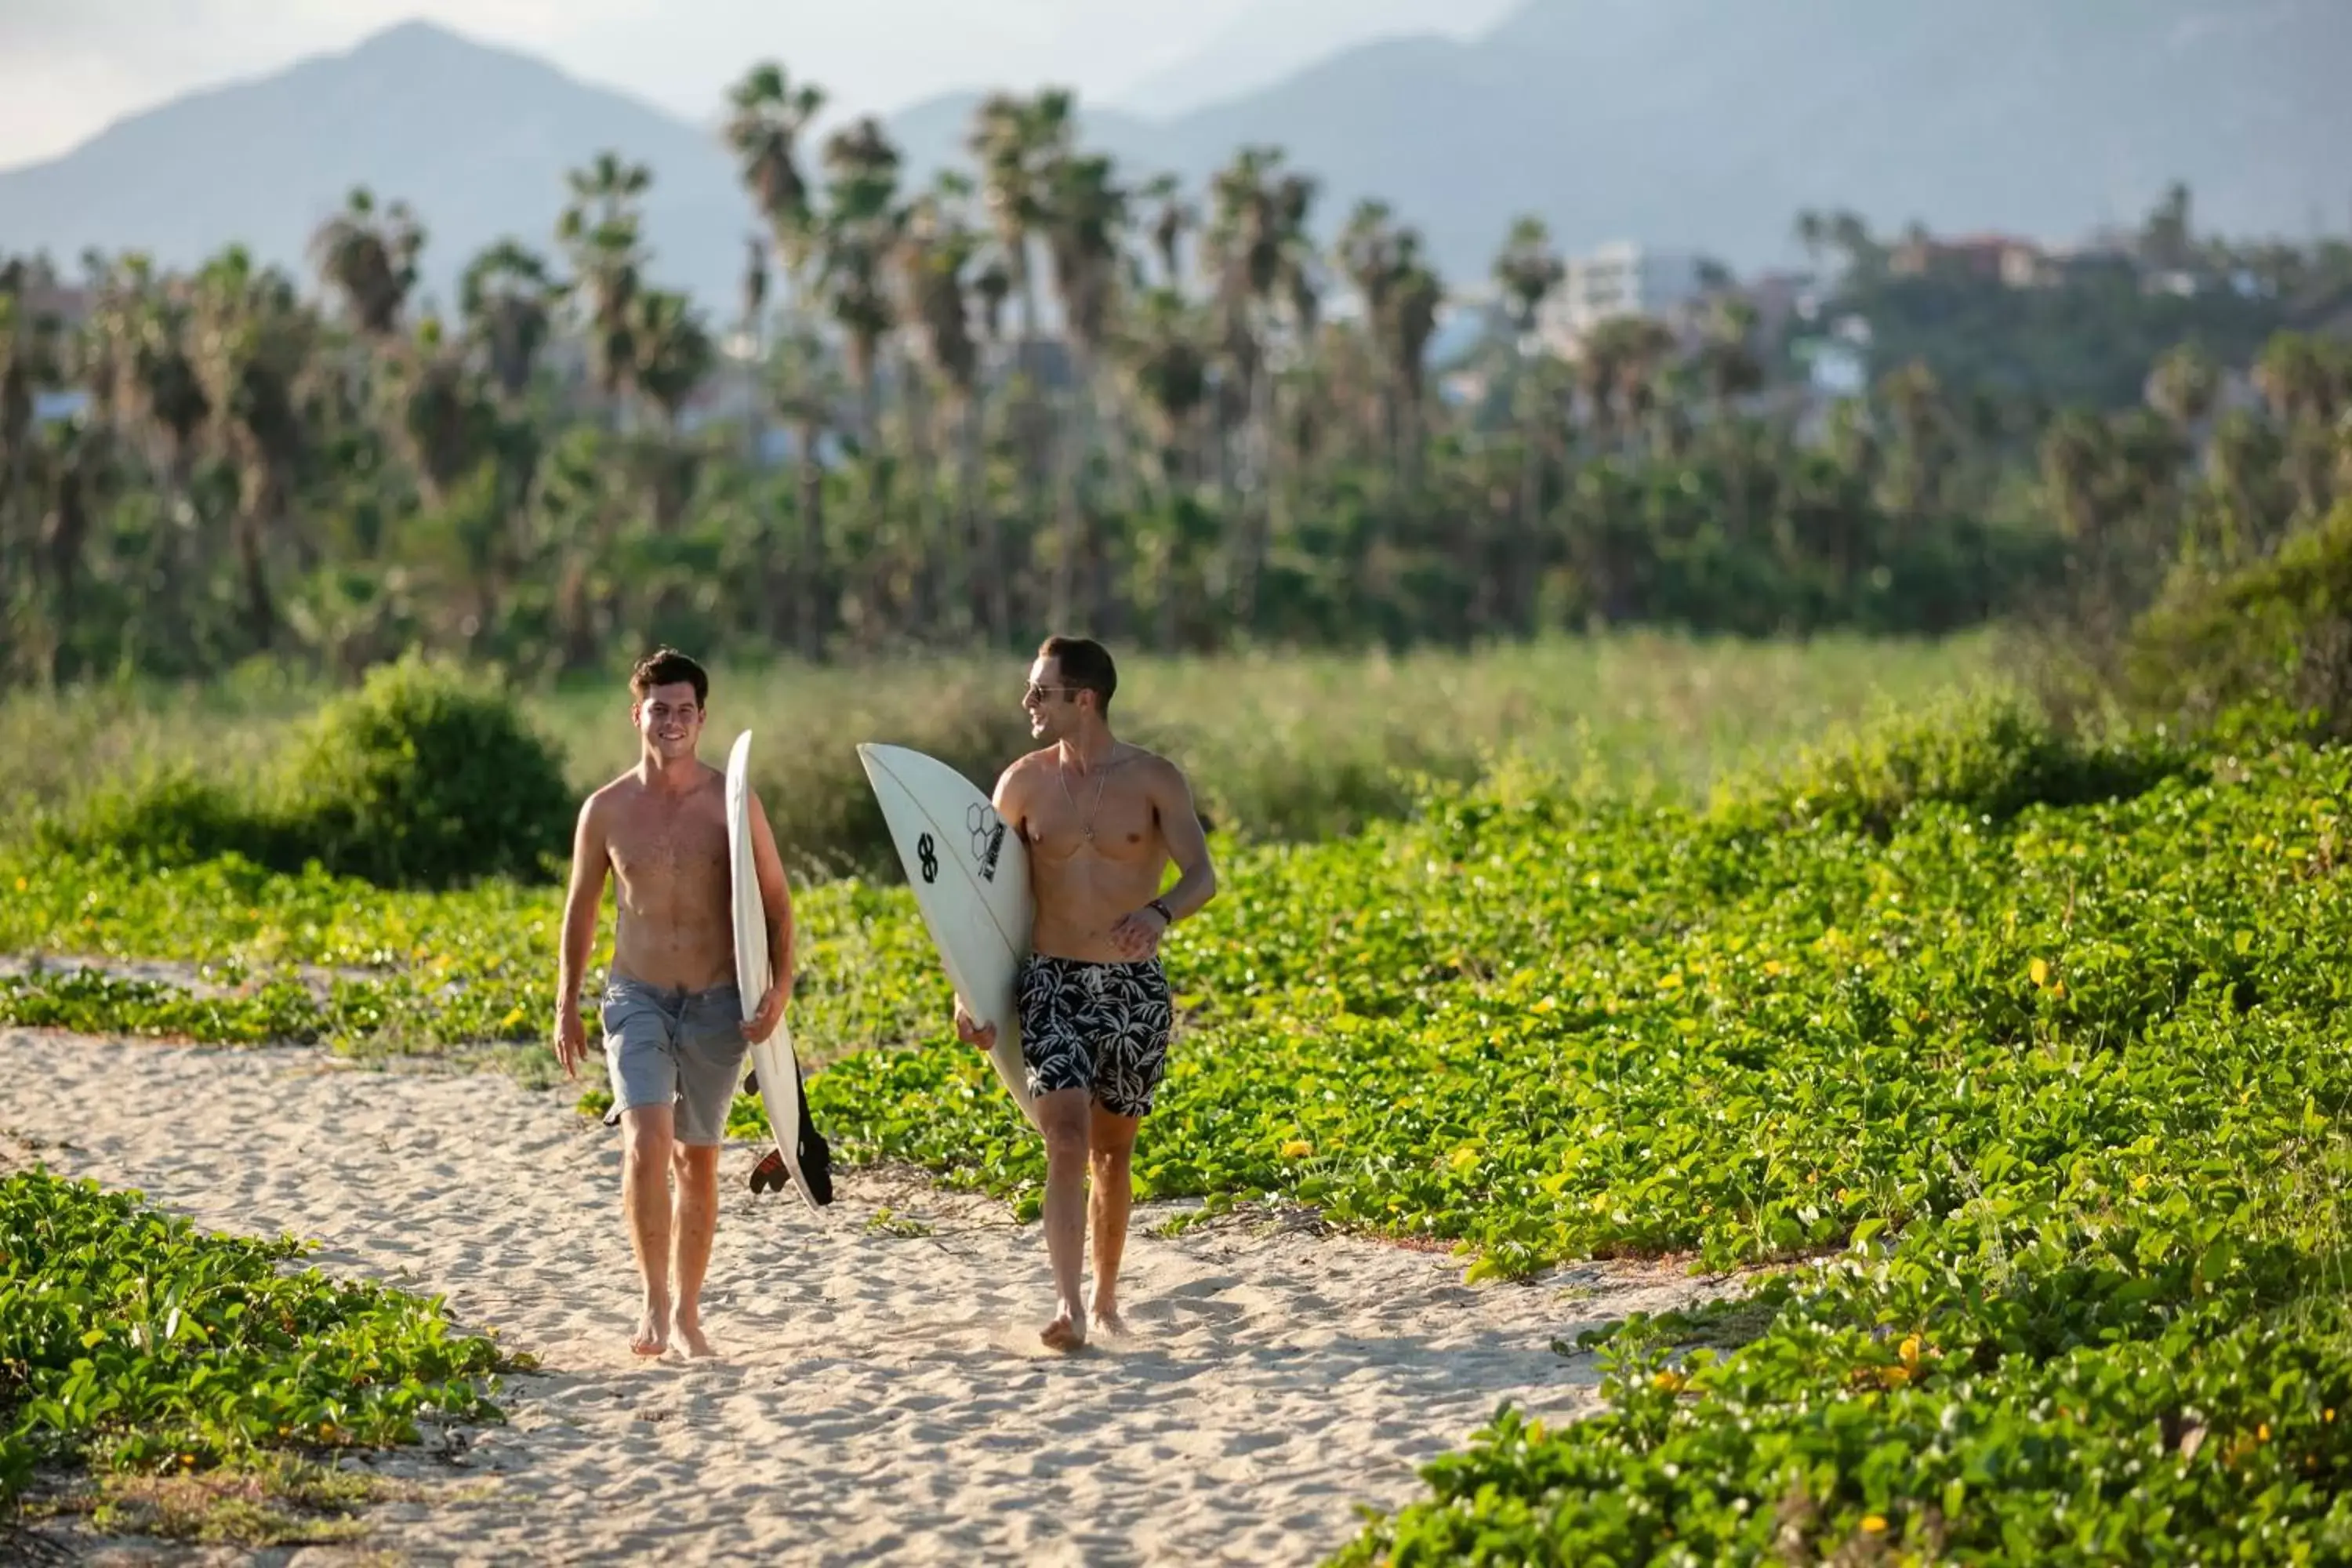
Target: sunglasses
x=1034, y=693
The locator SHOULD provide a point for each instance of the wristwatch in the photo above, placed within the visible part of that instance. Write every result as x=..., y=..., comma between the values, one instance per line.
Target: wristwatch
x=1165, y=912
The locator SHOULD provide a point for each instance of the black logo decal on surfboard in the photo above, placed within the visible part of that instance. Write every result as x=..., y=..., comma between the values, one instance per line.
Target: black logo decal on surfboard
x=929, y=857
x=987, y=838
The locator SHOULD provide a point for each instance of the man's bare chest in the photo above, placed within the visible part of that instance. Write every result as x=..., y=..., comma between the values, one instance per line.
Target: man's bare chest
x=1116, y=824
x=684, y=846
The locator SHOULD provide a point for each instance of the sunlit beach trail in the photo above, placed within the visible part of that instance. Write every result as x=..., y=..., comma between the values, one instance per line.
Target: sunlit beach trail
x=879, y=1395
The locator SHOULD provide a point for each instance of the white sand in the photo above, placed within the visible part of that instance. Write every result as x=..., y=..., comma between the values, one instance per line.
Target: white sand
x=879, y=1398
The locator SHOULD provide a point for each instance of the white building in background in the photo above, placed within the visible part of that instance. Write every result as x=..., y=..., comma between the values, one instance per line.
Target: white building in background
x=1620, y=280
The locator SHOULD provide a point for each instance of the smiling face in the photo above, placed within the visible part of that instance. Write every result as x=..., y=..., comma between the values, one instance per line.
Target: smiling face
x=669, y=719
x=1053, y=706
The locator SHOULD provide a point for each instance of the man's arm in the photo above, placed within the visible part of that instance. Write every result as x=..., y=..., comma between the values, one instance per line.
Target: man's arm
x=591, y=863
x=1139, y=932
x=1188, y=846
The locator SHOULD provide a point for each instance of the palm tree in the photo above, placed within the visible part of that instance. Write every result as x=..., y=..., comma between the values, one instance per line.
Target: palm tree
x=936, y=245
x=161, y=395
x=1528, y=272
x=1018, y=141
x=2307, y=384
x=1416, y=295
x=1086, y=212
x=370, y=260
x=1922, y=447
x=1373, y=253
x=507, y=300
x=1812, y=231
x=675, y=357
x=861, y=224
x=1172, y=219
x=31, y=359
x=1617, y=364
x=254, y=342
x=2184, y=387
x=1165, y=344
x=601, y=228
x=78, y=461
x=443, y=420
x=1259, y=254
x=1728, y=369
x=769, y=114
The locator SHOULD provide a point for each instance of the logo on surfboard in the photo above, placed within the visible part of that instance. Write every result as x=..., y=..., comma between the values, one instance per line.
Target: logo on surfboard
x=987, y=837
x=928, y=853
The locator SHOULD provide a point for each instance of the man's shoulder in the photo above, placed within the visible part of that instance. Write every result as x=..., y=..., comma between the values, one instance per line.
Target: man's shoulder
x=611, y=792
x=1151, y=764
x=1028, y=763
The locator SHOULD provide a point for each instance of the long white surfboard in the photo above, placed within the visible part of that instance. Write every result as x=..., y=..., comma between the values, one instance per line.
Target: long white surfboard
x=970, y=875
x=773, y=1059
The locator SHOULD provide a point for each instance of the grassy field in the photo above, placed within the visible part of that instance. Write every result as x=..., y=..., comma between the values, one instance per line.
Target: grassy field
x=2010, y=1070
x=1291, y=748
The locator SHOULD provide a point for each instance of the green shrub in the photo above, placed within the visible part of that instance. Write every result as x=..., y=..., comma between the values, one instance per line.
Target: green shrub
x=1993, y=754
x=424, y=776
x=171, y=815
x=427, y=776
x=2272, y=642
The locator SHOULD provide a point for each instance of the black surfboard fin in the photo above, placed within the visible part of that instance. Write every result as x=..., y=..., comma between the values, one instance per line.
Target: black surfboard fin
x=815, y=1158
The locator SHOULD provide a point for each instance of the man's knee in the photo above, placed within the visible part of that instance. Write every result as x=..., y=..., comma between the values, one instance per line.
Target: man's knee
x=1065, y=1144
x=647, y=1136
x=1061, y=1119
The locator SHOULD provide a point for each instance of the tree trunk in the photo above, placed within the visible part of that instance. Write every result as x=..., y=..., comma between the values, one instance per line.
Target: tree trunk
x=929, y=607
x=808, y=573
x=260, y=608
x=978, y=528
x=1069, y=507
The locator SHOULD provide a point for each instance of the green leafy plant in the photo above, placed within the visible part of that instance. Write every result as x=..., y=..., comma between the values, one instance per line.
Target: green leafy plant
x=130, y=1341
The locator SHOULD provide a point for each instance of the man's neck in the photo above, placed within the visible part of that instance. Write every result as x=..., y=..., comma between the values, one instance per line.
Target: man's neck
x=1090, y=749
x=673, y=778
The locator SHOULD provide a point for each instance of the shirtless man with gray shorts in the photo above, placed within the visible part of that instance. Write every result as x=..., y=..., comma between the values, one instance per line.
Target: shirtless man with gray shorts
x=674, y=1035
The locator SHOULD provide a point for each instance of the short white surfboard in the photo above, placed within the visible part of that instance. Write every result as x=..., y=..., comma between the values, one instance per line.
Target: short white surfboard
x=970, y=875
x=773, y=1059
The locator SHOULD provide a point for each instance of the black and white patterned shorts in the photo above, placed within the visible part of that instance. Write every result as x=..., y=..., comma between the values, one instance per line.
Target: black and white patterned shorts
x=1099, y=1027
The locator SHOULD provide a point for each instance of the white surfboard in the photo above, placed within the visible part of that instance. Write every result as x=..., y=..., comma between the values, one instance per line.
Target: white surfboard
x=970, y=875
x=771, y=1059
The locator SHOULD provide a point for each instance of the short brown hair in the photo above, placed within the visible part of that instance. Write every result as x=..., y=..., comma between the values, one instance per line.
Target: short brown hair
x=1086, y=665
x=666, y=667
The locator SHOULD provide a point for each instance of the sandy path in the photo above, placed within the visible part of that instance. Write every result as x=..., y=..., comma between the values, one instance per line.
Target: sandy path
x=880, y=1398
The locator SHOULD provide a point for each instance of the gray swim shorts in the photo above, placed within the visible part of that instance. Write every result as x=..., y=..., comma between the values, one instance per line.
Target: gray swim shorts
x=666, y=1046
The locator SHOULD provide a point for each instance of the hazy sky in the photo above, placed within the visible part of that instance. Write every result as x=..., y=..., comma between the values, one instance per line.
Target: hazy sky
x=68, y=68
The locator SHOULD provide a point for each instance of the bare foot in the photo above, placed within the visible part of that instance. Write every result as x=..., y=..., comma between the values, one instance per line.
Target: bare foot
x=1106, y=1321
x=1065, y=1332
x=689, y=1333
x=652, y=1338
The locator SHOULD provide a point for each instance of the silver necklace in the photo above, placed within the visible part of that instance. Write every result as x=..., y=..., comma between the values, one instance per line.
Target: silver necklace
x=1102, y=777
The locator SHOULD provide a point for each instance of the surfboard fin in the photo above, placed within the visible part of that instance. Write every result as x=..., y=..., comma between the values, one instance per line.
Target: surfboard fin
x=815, y=1157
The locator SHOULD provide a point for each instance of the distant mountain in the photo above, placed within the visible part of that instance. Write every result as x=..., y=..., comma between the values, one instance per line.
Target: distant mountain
x=1267, y=43
x=1695, y=123
x=476, y=137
